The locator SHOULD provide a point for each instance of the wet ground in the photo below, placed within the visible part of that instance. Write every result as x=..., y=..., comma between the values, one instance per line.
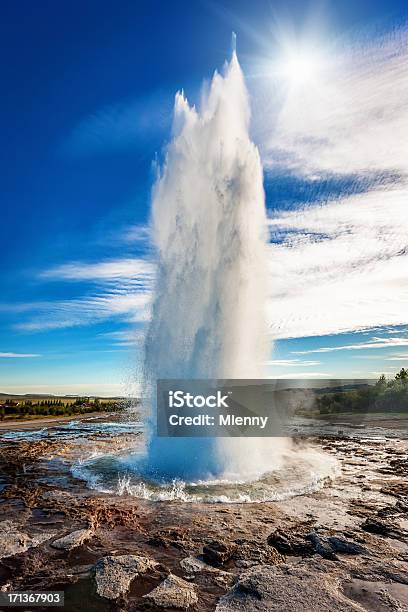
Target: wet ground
x=349, y=538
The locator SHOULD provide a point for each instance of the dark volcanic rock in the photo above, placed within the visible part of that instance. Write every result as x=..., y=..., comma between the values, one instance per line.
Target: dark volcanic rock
x=309, y=544
x=218, y=552
x=321, y=546
x=376, y=525
x=380, y=571
x=396, y=467
x=173, y=592
x=327, y=547
x=288, y=543
x=193, y=566
x=384, y=528
x=344, y=546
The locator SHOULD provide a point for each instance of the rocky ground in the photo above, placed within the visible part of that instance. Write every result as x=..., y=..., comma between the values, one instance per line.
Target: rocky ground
x=342, y=548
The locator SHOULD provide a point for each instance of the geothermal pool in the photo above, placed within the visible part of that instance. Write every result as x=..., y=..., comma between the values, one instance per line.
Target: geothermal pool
x=300, y=472
x=125, y=470
x=108, y=455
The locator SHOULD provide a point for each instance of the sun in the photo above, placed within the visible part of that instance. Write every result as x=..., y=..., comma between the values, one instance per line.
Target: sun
x=300, y=67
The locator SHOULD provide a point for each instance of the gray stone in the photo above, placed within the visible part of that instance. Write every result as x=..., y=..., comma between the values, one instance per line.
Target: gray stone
x=173, y=592
x=113, y=575
x=303, y=586
x=193, y=566
x=73, y=539
x=14, y=542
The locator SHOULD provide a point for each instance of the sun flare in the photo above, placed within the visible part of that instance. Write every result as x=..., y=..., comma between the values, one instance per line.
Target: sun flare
x=300, y=67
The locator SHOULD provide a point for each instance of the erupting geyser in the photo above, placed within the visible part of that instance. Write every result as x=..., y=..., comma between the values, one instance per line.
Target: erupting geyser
x=209, y=231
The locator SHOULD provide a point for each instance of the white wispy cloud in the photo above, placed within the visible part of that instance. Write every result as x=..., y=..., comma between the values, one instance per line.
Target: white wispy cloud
x=128, y=337
x=374, y=343
x=291, y=363
x=131, y=307
x=18, y=355
x=122, y=291
x=137, y=233
x=340, y=266
x=336, y=268
x=136, y=269
x=354, y=118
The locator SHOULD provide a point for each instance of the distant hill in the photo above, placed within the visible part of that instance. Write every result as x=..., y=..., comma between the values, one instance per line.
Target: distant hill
x=345, y=388
x=36, y=396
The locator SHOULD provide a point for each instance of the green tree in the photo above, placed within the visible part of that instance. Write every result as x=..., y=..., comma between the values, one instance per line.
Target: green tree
x=381, y=383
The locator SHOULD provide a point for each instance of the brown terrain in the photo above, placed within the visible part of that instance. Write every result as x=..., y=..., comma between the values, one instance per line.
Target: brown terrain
x=342, y=548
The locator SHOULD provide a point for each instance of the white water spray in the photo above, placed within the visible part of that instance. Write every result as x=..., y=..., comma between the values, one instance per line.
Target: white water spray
x=209, y=230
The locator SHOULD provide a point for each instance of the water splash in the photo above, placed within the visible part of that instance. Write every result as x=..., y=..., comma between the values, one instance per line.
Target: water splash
x=302, y=473
x=209, y=231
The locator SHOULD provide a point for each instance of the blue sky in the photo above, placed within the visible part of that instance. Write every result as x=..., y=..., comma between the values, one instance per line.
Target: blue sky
x=89, y=88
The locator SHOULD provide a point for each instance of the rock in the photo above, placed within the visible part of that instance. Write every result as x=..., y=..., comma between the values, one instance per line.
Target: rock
x=251, y=552
x=312, y=544
x=321, y=546
x=327, y=547
x=400, y=508
x=344, y=546
x=288, y=543
x=283, y=587
x=173, y=592
x=193, y=566
x=73, y=539
x=397, y=489
x=164, y=538
x=113, y=575
x=377, y=526
x=14, y=542
x=385, y=528
x=218, y=552
x=396, y=467
x=362, y=508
